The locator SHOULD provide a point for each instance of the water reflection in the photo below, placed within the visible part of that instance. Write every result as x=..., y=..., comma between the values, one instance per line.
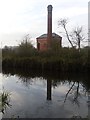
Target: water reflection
x=49, y=89
x=55, y=77
x=73, y=93
x=75, y=86
x=76, y=92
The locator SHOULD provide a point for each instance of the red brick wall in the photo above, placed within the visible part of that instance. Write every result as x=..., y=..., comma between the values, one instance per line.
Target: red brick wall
x=42, y=44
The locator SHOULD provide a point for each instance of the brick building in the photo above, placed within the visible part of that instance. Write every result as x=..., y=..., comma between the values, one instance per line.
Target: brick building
x=47, y=41
x=42, y=41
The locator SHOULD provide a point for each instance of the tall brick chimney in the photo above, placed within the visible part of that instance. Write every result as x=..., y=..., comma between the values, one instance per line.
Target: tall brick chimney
x=49, y=27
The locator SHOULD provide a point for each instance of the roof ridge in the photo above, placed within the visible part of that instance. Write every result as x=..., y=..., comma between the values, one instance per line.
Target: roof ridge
x=45, y=35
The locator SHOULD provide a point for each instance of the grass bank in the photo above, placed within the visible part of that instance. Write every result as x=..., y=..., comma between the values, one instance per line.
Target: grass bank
x=65, y=60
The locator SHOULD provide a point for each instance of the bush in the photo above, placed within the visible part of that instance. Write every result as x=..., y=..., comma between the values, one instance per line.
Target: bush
x=65, y=59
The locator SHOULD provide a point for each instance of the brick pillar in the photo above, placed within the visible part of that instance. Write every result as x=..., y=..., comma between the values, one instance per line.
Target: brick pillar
x=49, y=27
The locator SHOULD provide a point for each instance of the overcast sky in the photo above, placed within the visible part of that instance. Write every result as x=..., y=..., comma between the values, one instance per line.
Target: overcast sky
x=21, y=17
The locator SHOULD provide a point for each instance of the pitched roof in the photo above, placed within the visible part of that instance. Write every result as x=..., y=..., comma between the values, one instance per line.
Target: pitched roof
x=45, y=35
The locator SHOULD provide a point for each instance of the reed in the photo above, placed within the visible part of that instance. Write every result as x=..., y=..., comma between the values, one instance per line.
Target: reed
x=65, y=59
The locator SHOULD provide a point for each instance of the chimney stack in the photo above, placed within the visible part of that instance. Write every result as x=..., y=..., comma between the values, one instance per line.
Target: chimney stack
x=49, y=27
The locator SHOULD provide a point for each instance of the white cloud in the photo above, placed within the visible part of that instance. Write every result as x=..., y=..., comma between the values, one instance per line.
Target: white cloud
x=24, y=16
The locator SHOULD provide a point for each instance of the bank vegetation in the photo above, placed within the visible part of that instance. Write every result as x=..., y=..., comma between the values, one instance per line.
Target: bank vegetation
x=25, y=56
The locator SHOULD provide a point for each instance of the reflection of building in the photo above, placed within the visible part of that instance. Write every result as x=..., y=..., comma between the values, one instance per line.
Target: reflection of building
x=42, y=43
x=49, y=89
x=89, y=22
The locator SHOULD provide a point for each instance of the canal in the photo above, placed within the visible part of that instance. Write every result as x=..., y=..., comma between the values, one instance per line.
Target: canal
x=45, y=95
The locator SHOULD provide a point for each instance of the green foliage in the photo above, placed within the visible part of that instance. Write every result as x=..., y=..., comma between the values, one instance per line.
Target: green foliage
x=25, y=56
x=4, y=101
x=25, y=49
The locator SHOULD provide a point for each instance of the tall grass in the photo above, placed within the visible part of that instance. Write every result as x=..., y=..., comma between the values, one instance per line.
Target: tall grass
x=63, y=59
x=4, y=101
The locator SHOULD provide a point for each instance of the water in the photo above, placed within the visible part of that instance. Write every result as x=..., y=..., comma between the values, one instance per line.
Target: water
x=45, y=95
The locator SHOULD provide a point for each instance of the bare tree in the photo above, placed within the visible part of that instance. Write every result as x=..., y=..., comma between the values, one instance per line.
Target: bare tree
x=63, y=23
x=77, y=36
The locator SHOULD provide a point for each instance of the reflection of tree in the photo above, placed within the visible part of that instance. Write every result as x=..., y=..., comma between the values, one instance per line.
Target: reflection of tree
x=26, y=80
x=69, y=92
x=75, y=81
x=75, y=91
